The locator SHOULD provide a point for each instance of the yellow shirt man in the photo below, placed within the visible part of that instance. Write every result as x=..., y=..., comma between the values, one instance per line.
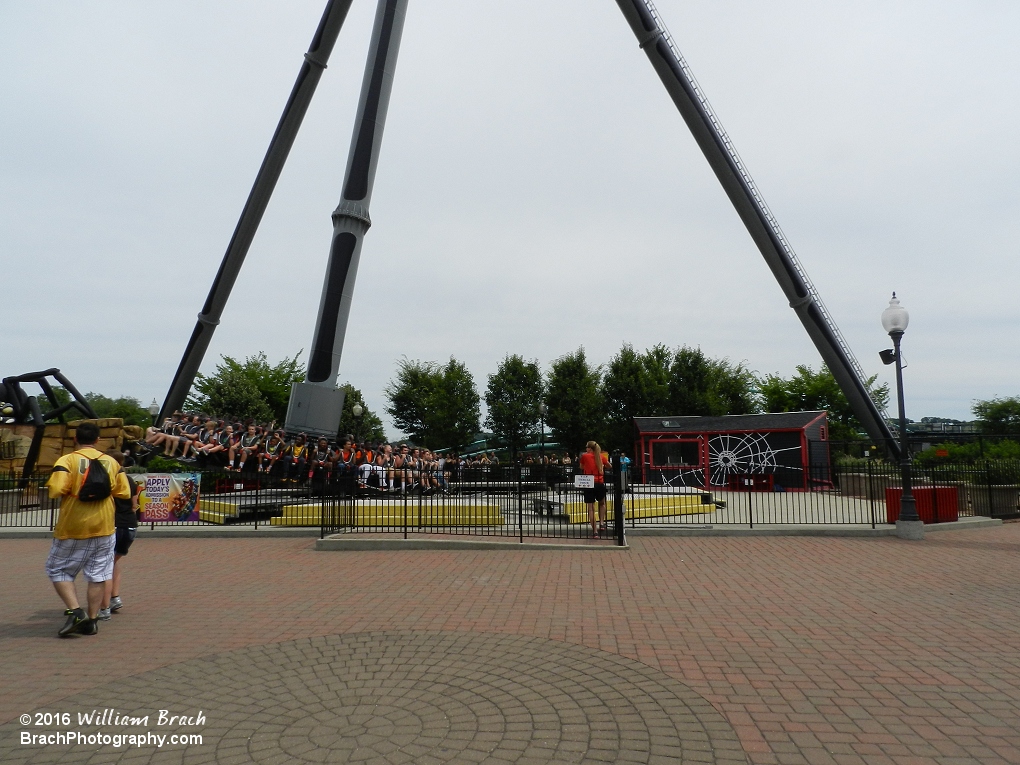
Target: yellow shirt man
x=84, y=520
x=85, y=535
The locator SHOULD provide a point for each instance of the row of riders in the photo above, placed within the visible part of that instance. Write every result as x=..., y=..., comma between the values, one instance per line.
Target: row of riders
x=263, y=448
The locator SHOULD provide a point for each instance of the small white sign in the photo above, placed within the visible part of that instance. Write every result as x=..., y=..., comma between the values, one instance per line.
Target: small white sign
x=584, y=481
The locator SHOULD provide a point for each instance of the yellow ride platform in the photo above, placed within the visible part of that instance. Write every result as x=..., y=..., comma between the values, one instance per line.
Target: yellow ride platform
x=381, y=512
x=646, y=506
x=216, y=510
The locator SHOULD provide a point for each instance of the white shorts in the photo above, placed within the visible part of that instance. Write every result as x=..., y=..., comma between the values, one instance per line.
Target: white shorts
x=92, y=556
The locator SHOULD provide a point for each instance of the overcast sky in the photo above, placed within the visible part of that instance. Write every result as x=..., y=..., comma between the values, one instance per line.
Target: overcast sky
x=537, y=190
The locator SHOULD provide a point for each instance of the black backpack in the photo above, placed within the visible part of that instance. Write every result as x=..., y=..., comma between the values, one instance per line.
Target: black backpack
x=95, y=485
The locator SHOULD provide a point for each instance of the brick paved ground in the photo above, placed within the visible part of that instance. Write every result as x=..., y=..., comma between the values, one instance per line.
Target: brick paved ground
x=814, y=650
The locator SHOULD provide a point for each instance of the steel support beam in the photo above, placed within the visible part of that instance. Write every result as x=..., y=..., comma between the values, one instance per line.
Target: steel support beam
x=315, y=403
x=653, y=38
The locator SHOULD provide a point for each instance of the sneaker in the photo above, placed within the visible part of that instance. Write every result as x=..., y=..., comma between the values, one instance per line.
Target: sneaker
x=115, y=603
x=75, y=618
x=104, y=614
x=90, y=626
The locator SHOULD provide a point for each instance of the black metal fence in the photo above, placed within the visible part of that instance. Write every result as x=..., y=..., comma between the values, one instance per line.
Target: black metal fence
x=21, y=503
x=541, y=501
x=224, y=498
x=510, y=501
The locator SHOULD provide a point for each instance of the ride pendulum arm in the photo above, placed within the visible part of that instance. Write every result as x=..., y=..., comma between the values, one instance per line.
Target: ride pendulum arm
x=655, y=40
x=316, y=58
x=316, y=404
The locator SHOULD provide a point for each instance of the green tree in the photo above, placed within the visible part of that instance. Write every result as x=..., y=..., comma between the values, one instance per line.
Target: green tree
x=230, y=394
x=513, y=396
x=969, y=452
x=699, y=385
x=809, y=390
x=410, y=394
x=998, y=416
x=661, y=381
x=635, y=385
x=576, y=408
x=270, y=383
x=126, y=408
x=368, y=427
x=436, y=405
x=455, y=410
x=62, y=395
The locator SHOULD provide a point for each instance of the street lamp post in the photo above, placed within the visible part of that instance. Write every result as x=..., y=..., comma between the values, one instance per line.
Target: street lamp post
x=542, y=409
x=894, y=320
x=153, y=410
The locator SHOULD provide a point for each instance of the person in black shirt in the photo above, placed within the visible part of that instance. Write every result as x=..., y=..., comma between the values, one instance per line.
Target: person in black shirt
x=126, y=522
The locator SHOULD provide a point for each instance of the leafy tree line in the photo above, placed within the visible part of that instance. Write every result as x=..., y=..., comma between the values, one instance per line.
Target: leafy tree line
x=250, y=389
x=998, y=416
x=438, y=404
x=434, y=404
x=126, y=408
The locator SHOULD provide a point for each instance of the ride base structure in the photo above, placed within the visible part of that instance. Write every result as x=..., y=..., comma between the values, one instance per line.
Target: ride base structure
x=316, y=403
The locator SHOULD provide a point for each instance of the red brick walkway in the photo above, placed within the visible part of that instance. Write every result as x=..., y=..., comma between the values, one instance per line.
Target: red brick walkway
x=815, y=650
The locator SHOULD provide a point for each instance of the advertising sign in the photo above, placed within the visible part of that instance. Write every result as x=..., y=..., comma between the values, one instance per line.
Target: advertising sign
x=170, y=497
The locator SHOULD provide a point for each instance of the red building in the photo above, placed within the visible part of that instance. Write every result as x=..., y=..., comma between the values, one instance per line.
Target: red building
x=755, y=452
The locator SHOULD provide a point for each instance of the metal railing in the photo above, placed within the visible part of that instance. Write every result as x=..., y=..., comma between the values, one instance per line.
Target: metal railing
x=515, y=501
x=540, y=501
x=25, y=504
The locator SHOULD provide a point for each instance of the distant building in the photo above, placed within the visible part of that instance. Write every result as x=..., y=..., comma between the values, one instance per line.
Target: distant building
x=935, y=426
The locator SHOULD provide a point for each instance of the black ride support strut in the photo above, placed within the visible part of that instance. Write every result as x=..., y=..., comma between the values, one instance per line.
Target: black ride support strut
x=316, y=404
x=654, y=39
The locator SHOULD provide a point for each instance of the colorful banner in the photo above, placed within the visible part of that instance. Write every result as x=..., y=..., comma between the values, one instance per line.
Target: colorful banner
x=170, y=497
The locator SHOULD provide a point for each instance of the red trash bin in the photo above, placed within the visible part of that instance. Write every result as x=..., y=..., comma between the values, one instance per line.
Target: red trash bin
x=935, y=504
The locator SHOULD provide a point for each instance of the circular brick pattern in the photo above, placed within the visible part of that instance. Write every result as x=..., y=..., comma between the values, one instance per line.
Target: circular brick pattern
x=407, y=697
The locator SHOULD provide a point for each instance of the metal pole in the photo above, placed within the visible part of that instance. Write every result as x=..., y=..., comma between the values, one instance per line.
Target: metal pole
x=44, y=502
x=322, y=517
x=542, y=447
x=750, y=508
x=908, y=508
x=258, y=199
x=315, y=404
x=988, y=485
x=520, y=505
x=871, y=492
x=618, y=508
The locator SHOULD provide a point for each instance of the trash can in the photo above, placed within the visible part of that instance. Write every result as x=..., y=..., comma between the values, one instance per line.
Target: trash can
x=935, y=504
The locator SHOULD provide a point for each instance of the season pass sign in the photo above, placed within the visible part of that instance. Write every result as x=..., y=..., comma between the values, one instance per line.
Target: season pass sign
x=170, y=497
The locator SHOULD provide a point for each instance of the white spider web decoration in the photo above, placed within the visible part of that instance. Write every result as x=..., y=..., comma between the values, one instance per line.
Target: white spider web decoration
x=741, y=455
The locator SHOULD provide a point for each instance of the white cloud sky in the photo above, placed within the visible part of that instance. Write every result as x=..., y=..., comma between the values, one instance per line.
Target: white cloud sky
x=534, y=176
